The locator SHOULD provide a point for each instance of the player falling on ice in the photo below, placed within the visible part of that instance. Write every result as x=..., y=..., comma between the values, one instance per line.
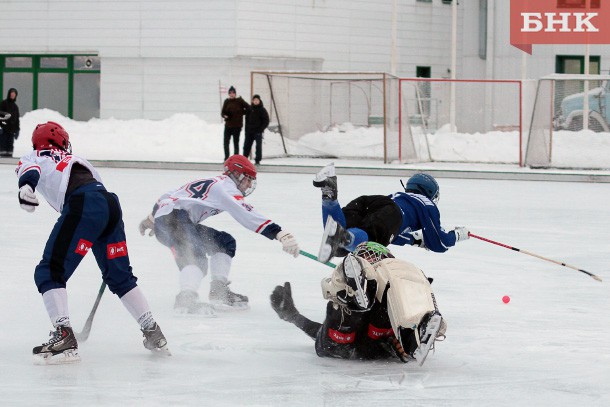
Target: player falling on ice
x=403, y=218
x=379, y=307
x=90, y=219
x=175, y=221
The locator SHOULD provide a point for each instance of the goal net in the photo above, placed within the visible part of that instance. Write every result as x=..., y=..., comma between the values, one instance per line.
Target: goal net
x=570, y=123
x=333, y=114
x=461, y=120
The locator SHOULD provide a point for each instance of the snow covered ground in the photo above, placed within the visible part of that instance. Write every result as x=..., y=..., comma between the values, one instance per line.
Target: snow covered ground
x=547, y=347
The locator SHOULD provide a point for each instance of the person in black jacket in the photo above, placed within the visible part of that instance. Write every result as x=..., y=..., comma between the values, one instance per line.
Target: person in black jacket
x=257, y=120
x=10, y=126
x=233, y=110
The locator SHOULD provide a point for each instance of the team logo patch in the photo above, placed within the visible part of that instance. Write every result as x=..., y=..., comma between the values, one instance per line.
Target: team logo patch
x=115, y=250
x=376, y=333
x=341, y=337
x=83, y=246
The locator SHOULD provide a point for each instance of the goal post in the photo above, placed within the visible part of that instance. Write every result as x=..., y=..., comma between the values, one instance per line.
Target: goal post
x=570, y=123
x=304, y=105
x=488, y=116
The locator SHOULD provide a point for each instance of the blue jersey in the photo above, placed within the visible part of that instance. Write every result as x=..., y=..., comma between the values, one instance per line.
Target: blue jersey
x=419, y=212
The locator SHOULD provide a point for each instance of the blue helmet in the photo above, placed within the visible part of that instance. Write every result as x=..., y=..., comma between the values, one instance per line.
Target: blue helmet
x=423, y=184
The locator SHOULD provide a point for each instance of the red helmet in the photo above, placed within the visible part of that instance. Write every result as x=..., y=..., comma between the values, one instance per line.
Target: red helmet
x=51, y=135
x=242, y=172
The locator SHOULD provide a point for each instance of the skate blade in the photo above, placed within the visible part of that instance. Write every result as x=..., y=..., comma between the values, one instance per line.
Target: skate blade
x=162, y=352
x=67, y=357
x=421, y=353
x=206, y=311
x=325, y=252
x=222, y=307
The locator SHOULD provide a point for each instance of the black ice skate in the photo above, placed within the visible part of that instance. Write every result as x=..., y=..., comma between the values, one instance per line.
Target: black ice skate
x=334, y=239
x=222, y=298
x=154, y=340
x=428, y=332
x=61, y=348
x=327, y=181
x=187, y=303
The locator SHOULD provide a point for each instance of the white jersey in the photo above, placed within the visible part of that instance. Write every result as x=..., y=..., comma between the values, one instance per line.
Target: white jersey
x=208, y=197
x=54, y=167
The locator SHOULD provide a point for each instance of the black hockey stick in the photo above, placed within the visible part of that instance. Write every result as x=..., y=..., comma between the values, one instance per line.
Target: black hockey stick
x=84, y=334
x=311, y=256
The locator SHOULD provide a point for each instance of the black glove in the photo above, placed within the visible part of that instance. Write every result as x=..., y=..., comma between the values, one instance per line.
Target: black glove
x=282, y=303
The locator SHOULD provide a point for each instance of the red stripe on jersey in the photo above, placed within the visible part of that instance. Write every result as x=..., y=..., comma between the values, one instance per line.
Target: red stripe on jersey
x=341, y=337
x=31, y=167
x=376, y=333
x=61, y=166
x=262, y=226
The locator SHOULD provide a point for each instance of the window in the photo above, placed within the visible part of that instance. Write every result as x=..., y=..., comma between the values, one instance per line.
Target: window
x=424, y=1
x=68, y=84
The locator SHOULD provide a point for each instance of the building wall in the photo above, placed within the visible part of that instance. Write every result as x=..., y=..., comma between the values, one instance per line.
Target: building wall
x=162, y=57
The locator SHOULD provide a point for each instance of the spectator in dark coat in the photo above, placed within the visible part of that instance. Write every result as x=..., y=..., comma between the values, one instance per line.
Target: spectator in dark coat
x=257, y=120
x=233, y=110
x=10, y=126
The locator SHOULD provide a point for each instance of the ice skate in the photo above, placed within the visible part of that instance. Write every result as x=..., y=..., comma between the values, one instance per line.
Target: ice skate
x=428, y=331
x=155, y=341
x=222, y=298
x=62, y=348
x=356, y=280
x=334, y=239
x=326, y=179
x=187, y=303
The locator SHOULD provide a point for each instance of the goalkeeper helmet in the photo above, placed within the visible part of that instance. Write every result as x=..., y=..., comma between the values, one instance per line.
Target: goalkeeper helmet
x=51, y=135
x=372, y=252
x=242, y=172
x=423, y=184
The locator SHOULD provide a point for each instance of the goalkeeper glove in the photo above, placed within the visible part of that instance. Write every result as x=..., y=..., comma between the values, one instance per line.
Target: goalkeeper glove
x=282, y=303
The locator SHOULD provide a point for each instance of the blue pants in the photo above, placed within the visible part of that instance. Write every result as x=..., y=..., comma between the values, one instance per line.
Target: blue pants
x=91, y=219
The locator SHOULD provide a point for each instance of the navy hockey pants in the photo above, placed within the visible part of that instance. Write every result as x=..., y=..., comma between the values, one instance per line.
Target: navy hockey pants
x=91, y=219
x=190, y=242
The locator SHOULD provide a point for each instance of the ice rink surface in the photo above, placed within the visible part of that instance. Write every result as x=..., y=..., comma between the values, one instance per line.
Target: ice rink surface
x=549, y=346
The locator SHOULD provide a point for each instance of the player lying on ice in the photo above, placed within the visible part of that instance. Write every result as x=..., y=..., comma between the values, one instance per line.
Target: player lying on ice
x=379, y=307
x=408, y=217
x=90, y=219
x=175, y=221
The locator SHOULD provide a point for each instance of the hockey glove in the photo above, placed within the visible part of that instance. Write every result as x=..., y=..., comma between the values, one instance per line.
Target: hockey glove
x=418, y=239
x=27, y=198
x=282, y=303
x=147, y=223
x=461, y=234
x=289, y=243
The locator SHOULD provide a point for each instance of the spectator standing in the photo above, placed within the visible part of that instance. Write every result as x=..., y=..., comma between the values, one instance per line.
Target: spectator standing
x=257, y=120
x=10, y=126
x=233, y=110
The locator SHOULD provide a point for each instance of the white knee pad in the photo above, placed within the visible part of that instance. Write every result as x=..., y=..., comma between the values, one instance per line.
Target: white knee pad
x=409, y=296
